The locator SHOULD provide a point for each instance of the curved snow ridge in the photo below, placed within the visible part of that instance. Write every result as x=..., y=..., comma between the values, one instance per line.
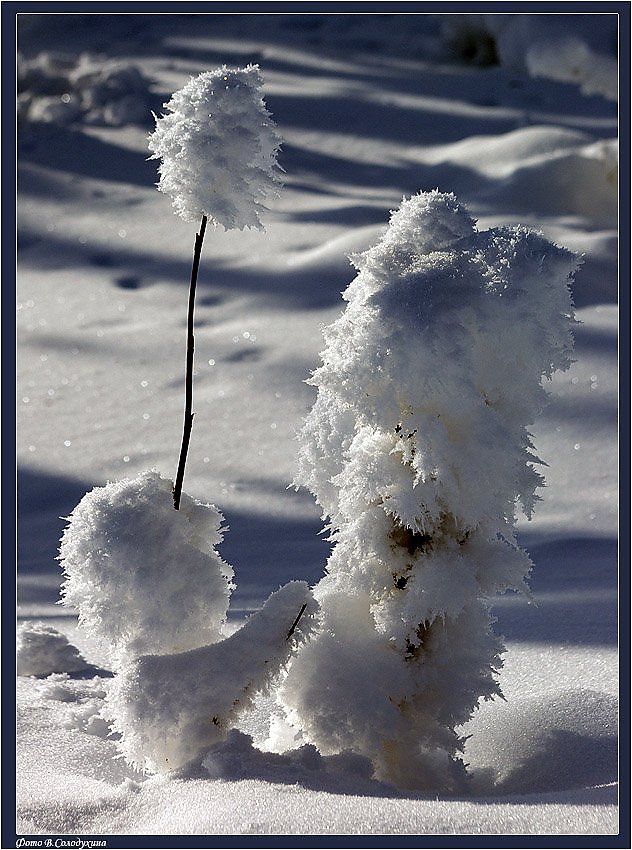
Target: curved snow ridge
x=553, y=170
x=504, y=151
x=558, y=740
x=580, y=182
x=334, y=253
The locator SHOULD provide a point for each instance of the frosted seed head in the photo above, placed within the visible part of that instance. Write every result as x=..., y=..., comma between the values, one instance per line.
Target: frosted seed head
x=217, y=145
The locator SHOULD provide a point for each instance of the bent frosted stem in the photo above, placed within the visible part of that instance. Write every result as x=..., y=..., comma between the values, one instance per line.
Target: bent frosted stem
x=188, y=401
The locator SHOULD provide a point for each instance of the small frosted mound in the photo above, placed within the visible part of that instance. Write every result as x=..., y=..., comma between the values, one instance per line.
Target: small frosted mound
x=218, y=146
x=144, y=577
x=171, y=708
x=570, y=60
x=42, y=650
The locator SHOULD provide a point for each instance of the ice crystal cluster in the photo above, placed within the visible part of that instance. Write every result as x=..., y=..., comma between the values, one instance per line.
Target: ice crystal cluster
x=217, y=147
x=417, y=450
x=143, y=577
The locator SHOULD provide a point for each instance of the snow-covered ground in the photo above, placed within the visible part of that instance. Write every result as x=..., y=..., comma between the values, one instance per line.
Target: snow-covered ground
x=371, y=107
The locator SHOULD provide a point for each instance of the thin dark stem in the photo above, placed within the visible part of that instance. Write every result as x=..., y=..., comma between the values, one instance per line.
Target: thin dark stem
x=295, y=623
x=188, y=400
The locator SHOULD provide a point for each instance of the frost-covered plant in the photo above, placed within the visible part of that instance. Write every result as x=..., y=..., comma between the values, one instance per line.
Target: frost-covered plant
x=144, y=578
x=217, y=148
x=57, y=88
x=121, y=553
x=171, y=708
x=417, y=449
x=148, y=581
x=546, y=46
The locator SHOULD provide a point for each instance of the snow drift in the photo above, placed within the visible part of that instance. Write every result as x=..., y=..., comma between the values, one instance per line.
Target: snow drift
x=42, y=650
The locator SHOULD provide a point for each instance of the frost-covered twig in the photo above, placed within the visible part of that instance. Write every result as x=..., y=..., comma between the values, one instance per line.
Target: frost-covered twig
x=217, y=147
x=179, y=682
x=292, y=628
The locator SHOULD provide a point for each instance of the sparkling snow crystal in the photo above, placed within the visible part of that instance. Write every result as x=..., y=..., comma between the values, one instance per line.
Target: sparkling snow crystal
x=144, y=577
x=218, y=147
x=417, y=449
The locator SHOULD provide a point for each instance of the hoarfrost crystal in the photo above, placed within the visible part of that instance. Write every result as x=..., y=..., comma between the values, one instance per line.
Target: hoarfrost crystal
x=218, y=148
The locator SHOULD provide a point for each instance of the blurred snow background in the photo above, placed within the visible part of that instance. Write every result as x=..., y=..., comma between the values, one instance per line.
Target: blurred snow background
x=515, y=114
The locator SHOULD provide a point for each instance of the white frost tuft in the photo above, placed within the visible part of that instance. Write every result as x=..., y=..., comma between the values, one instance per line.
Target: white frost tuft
x=417, y=449
x=143, y=576
x=218, y=147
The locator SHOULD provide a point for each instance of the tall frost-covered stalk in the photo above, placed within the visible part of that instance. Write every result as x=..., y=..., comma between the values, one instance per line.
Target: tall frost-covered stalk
x=417, y=449
x=217, y=147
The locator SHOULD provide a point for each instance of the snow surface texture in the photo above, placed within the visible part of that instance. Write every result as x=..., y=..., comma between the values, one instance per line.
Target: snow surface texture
x=372, y=107
x=144, y=577
x=171, y=708
x=521, y=750
x=218, y=147
x=417, y=450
